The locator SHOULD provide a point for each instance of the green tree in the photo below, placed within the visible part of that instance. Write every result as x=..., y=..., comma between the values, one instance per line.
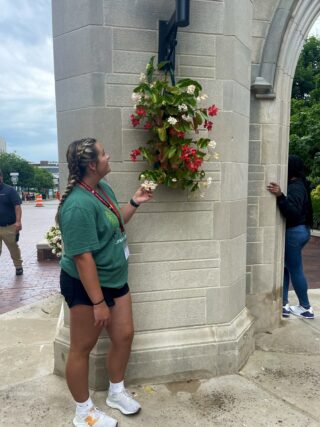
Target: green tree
x=10, y=162
x=42, y=180
x=305, y=109
x=307, y=75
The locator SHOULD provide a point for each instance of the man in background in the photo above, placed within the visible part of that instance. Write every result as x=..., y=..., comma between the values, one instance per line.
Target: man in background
x=10, y=222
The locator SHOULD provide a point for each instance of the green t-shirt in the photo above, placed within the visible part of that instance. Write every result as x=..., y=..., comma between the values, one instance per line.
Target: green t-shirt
x=87, y=225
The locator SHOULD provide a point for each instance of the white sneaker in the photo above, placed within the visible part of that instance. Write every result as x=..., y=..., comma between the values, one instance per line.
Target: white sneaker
x=124, y=402
x=300, y=311
x=94, y=418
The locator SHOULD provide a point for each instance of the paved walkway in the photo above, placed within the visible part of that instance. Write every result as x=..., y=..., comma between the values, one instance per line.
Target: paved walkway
x=39, y=279
x=279, y=386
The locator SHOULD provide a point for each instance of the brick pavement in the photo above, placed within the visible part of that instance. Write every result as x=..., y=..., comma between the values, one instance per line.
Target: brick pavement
x=39, y=279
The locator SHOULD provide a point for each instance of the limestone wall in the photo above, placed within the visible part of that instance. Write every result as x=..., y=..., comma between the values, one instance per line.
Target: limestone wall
x=188, y=256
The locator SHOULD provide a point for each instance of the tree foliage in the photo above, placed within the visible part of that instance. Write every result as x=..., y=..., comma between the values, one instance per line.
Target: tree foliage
x=29, y=176
x=305, y=109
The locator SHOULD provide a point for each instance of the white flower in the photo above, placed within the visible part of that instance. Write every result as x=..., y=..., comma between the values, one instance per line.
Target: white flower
x=142, y=77
x=182, y=107
x=211, y=146
x=148, y=66
x=186, y=118
x=149, y=185
x=142, y=177
x=136, y=97
x=191, y=89
x=209, y=181
x=204, y=96
x=172, y=120
x=174, y=180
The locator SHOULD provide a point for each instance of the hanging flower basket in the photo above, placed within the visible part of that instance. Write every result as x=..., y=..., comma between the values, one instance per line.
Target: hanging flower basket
x=173, y=116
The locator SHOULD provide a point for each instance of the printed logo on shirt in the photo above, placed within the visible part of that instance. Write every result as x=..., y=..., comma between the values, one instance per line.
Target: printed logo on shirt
x=111, y=217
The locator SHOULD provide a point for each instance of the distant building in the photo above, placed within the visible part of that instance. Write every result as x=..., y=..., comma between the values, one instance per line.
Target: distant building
x=52, y=167
x=3, y=146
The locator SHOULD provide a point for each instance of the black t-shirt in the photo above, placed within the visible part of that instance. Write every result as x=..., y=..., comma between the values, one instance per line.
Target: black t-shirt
x=9, y=198
x=296, y=206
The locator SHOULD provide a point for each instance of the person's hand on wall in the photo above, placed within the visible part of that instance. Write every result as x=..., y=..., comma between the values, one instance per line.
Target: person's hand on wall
x=274, y=188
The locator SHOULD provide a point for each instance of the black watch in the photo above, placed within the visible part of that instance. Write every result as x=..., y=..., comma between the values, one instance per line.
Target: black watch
x=134, y=204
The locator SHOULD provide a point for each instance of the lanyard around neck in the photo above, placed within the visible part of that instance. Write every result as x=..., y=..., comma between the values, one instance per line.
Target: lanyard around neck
x=108, y=202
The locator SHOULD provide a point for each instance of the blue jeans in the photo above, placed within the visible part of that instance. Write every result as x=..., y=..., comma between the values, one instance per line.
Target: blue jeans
x=296, y=238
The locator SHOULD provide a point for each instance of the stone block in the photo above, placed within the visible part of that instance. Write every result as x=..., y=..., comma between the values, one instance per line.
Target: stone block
x=253, y=215
x=231, y=134
x=175, y=250
x=134, y=61
x=270, y=149
x=143, y=14
x=190, y=43
x=196, y=60
x=256, y=51
x=234, y=181
x=234, y=61
x=97, y=122
x=134, y=39
x=260, y=28
x=254, y=234
x=254, y=152
x=233, y=260
x=264, y=10
x=267, y=211
x=195, y=72
x=229, y=219
x=163, y=226
x=262, y=278
x=238, y=20
x=73, y=14
x=255, y=132
x=254, y=253
x=80, y=91
x=270, y=251
x=164, y=314
x=87, y=50
x=236, y=98
x=206, y=16
x=233, y=297
x=118, y=95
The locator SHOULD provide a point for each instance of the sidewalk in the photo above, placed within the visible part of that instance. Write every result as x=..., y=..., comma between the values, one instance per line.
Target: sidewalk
x=279, y=386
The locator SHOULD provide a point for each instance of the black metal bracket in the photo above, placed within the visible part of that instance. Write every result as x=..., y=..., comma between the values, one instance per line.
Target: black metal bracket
x=168, y=35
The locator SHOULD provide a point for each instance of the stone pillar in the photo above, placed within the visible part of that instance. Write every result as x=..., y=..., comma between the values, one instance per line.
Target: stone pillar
x=188, y=255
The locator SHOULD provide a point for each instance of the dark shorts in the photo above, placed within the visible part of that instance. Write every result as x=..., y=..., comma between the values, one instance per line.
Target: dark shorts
x=74, y=292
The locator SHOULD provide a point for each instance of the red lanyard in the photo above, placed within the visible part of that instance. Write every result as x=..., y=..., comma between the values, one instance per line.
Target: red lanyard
x=108, y=203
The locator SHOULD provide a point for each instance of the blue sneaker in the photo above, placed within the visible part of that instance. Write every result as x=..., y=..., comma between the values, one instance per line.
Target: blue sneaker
x=300, y=311
x=286, y=310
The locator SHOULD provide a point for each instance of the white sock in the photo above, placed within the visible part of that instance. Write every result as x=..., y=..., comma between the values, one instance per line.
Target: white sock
x=83, y=407
x=116, y=387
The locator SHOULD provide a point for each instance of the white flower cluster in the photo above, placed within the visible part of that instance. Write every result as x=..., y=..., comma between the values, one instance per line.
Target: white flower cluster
x=149, y=185
x=53, y=237
x=172, y=120
x=202, y=97
x=182, y=107
x=211, y=154
x=136, y=97
x=191, y=89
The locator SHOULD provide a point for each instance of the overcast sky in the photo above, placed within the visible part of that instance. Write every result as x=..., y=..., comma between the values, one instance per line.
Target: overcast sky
x=27, y=105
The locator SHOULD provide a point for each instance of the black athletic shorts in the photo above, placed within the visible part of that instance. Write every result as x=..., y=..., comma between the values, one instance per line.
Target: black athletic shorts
x=74, y=292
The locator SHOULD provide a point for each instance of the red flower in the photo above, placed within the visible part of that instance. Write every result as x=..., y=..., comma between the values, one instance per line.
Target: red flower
x=148, y=125
x=180, y=135
x=208, y=124
x=134, y=154
x=213, y=110
x=172, y=132
x=141, y=111
x=135, y=122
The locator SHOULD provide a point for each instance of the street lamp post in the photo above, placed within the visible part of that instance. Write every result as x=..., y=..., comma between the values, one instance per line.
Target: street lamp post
x=14, y=178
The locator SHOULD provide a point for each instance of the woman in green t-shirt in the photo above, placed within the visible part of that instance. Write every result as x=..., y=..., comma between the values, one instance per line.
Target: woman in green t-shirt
x=94, y=275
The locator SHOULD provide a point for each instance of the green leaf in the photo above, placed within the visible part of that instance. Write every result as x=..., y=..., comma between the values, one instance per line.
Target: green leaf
x=162, y=134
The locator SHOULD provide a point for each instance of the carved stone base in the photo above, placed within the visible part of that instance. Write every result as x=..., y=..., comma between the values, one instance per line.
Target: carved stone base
x=169, y=355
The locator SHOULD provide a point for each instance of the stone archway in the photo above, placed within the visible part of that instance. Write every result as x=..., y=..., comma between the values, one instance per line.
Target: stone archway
x=268, y=152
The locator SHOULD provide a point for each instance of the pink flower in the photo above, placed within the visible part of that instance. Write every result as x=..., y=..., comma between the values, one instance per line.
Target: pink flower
x=213, y=110
x=180, y=135
x=141, y=111
x=148, y=125
x=135, y=122
x=208, y=124
x=134, y=154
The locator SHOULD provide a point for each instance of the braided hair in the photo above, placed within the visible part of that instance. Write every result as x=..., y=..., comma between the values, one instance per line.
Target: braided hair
x=79, y=154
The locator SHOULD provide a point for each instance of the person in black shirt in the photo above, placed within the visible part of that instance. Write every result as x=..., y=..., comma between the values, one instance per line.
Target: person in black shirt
x=10, y=223
x=296, y=208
